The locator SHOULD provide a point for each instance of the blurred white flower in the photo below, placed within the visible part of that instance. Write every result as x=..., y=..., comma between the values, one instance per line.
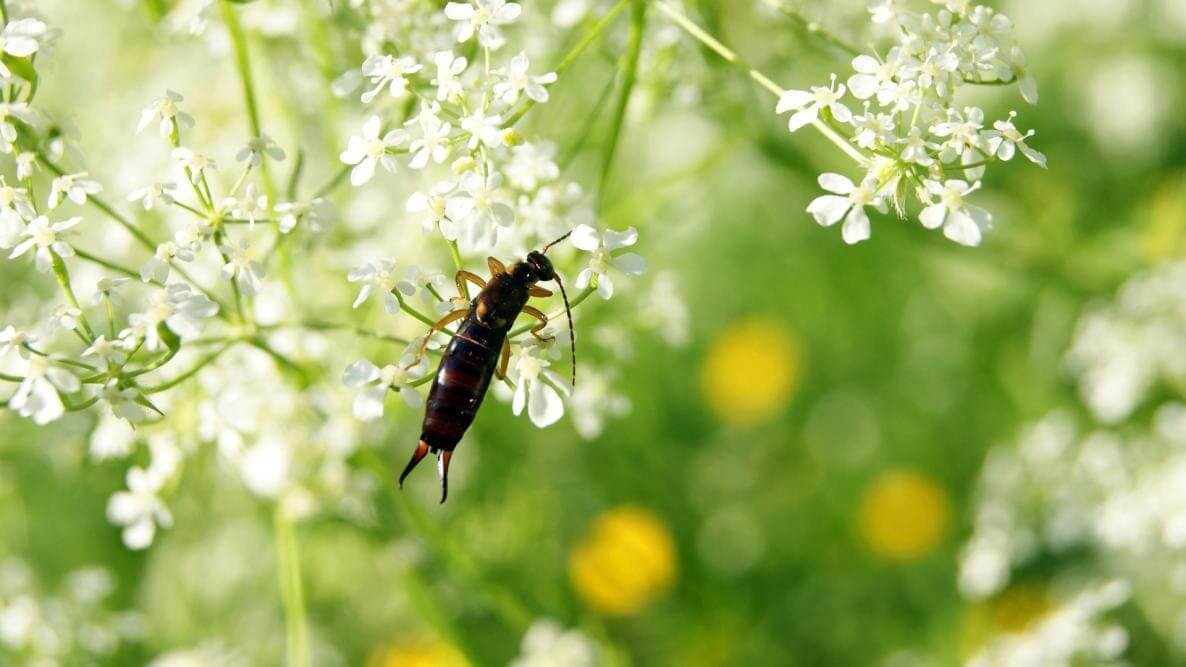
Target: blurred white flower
x=537, y=387
x=373, y=383
x=242, y=267
x=547, y=644
x=165, y=110
x=251, y=206
x=482, y=17
x=479, y=207
x=157, y=193
x=808, y=104
x=448, y=73
x=139, y=509
x=20, y=39
x=388, y=72
x=37, y=396
x=196, y=163
x=514, y=81
x=1004, y=140
x=483, y=128
x=178, y=307
x=429, y=137
x=961, y=222
x=43, y=238
x=380, y=276
x=75, y=187
x=259, y=148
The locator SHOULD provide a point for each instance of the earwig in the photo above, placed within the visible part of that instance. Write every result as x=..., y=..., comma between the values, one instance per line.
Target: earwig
x=479, y=350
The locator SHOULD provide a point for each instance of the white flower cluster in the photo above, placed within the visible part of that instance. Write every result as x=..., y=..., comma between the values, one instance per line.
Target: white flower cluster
x=486, y=190
x=899, y=117
x=71, y=626
x=1117, y=492
x=547, y=643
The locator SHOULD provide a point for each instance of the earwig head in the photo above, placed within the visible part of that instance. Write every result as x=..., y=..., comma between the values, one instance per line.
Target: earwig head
x=538, y=266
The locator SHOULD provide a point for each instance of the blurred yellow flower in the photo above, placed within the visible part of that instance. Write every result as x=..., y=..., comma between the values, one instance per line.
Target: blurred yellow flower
x=750, y=372
x=626, y=560
x=1165, y=234
x=433, y=654
x=1013, y=611
x=903, y=515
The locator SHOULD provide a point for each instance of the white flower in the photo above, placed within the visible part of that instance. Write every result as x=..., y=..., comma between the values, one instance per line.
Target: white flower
x=106, y=287
x=196, y=163
x=431, y=205
x=1025, y=82
x=76, y=187
x=848, y=202
x=113, y=438
x=483, y=128
x=20, y=39
x=548, y=644
x=153, y=194
x=593, y=400
x=242, y=266
x=447, y=80
x=8, y=131
x=389, y=72
x=108, y=350
x=156, y=268
x=12, y=338
x=37, y=396
x=373, y=384
x=66, y=317
x=258, y=148
x=432, y=142
x=380, y=276
x=916, y=149
x=265, y=466
x=178, y=307
x=25, y=164
x=370, y=149
x=1005, y=140
x=873, y=129
x=315, y=214
x=139, y=509
x=165, y=109
x=537, y=388
x=963, y=134
x=41, y=235
x=515, y=81
x=602, y=246
x=122, y=401
x=961, y=222
x=532, y=164
x=872, y=74
x=252, y=206
x=479, y=208
x=482, y=17
x=807, y=105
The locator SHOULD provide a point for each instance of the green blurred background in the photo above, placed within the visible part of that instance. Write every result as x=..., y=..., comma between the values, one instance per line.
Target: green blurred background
x=791, y=487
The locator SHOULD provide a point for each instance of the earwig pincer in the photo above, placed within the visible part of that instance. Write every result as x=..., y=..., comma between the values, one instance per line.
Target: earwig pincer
x=479, y=350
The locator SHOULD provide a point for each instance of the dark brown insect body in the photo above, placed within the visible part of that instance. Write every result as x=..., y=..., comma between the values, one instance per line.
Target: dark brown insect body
x=478, y=350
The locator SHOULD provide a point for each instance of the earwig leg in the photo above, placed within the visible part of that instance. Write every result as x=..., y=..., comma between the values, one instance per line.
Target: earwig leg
x=504, y=361
x=536, y=290
x=496, y=267
x=420, y=453
x=474, y=278
x=543, y=322
x=443, y=468
x=439, y=326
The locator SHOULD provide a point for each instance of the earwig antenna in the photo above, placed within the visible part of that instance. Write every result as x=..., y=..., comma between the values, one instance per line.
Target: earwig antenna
x=572, y=336
x=545, y=250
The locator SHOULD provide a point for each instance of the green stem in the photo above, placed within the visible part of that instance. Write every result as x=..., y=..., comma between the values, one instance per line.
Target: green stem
x=291, y=590
x=580, y=298
x=455, y=251
x=340, y=326
x=813, y=28
x=638, y=22
x=569, y=58
x=412, y=311
x=3, y=13
x=731, y=57
x=63, y=277
x=243, y=63
x=205, y=361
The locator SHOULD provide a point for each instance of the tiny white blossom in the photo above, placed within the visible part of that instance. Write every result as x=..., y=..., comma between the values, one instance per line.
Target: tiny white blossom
x=8, y=131
x=808, y=104
x=537, y=388
x=258, y=148
x=369, y=150
x=12, y=338
x=602, y=246
x=196, y=163
x=139, y=509
x=242, y=266
x=252, y=206
x=482, y=17
x=961, y=222
x=847, y=202
x=153, y=194
x=483, y=128
x=106, y=287
x=431, y=142
x=380, y=276
x=548, y=644
x=515, y=81
x=43, y=237
x=165, y=110
x=156, y=268
x=479, y=207
x=447, y=79
x=20, y=39
x=373, y=384
x=75, y=187
x=107, y=350
x=25, y=164
x=66, y=317
x=1004, y=140
x=37, y=396
x=388, y=72
x=431, y=205
x=178, y=307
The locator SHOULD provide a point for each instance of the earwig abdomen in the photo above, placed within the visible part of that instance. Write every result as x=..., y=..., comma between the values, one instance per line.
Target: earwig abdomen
x=461, y=382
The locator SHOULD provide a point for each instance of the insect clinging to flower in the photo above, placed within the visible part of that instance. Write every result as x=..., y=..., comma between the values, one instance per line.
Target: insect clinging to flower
x=480, y=350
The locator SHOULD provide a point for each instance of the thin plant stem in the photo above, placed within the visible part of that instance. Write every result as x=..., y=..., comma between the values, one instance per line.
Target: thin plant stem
x=730, y=56
x=202, y=363
x=638, y=21
x=291, y=590
x=243, y=63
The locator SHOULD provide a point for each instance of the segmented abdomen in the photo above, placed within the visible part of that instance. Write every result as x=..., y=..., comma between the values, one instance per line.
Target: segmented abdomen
x=461, y=383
